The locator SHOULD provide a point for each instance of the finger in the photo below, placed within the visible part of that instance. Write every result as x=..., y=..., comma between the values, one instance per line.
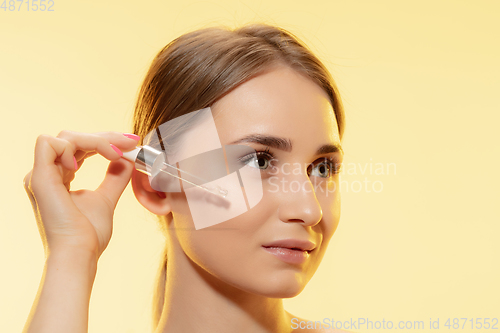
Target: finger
x=47, y=177
x=88, y=154
x=117, y=177
x=87, y=142
x=118, y=139
x=122, y=141
x=81, y=155
x=29, y=192
x=47, y=182
x=68, y=180
x=48, y=149
x=26, y=184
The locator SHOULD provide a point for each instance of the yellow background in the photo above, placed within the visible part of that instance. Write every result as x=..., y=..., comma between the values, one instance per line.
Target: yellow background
x=420, y=83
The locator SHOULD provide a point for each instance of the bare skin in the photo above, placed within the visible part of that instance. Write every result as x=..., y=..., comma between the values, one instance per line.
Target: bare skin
x=219, y=278
x=75, y=226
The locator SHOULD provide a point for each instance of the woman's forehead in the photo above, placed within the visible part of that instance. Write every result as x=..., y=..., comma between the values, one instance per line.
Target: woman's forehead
x=283, y=103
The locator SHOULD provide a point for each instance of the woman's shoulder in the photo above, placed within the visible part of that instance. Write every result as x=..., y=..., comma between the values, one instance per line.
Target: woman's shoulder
x=301, y=325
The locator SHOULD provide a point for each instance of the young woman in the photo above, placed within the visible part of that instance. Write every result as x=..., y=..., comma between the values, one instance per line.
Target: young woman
x=266, y=90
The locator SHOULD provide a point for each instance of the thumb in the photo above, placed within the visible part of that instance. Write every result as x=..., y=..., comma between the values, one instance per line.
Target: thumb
x=116, y=179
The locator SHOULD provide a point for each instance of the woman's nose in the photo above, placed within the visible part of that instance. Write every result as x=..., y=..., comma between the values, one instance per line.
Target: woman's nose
x=298, y=202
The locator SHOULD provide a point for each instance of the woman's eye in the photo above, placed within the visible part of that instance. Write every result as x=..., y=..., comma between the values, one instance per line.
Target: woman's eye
x=324, y=169
x=257, y=161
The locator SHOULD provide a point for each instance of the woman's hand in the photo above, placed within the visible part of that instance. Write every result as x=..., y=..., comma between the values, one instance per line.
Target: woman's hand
x=76, y=220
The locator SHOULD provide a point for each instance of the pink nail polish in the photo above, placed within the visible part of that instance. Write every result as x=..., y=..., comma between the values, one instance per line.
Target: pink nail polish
x=116, y=149
x=132, y=136
x=76, y=164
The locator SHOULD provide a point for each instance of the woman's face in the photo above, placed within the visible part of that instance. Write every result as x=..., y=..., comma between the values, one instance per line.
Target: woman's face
x=300, y=194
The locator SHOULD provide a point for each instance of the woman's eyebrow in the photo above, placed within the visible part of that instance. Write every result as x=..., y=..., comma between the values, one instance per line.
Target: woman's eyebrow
x=266, y=140
x=284, y=143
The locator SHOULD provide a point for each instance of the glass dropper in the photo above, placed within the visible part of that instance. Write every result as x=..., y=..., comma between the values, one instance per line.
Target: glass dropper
x=145, y=157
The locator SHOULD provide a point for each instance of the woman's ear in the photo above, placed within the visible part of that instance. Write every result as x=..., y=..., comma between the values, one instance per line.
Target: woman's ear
x=156, y=202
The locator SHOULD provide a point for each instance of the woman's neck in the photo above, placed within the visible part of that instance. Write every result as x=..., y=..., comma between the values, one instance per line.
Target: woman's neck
x=196, y=301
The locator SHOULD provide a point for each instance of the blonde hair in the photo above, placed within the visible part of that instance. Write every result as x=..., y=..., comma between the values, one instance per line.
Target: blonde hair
x=198, y=68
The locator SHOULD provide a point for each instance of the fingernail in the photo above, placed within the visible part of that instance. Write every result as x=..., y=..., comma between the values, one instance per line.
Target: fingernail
x=116, y=149
x=132, y=136
x=76, y=164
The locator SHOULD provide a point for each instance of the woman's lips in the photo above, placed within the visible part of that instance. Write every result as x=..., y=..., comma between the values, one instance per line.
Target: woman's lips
x=291, y=256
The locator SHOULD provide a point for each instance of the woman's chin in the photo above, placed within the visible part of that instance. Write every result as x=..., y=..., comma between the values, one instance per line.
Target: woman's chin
x=282, y=286
x=283, y=291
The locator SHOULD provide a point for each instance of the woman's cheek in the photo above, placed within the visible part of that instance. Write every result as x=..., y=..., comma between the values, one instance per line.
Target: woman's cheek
x=330, y=205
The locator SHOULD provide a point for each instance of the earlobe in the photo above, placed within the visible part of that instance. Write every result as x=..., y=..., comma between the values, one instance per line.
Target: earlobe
x=156, y=202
